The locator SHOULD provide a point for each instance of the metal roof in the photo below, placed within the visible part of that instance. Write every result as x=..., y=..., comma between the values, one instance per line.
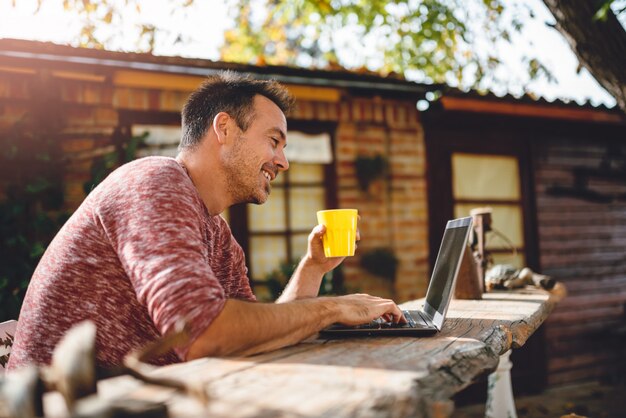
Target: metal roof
x=16, y=50
x=34, y=51
x=527, y=98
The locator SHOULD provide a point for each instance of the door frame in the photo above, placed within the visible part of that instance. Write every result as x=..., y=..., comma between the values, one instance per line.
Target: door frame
x=446, y=133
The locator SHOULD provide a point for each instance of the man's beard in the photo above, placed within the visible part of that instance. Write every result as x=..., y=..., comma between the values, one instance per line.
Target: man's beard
x=244, y=187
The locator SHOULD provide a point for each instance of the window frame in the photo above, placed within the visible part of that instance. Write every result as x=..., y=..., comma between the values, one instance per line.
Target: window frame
x=469, y=136
x=238, y=214
x=491, y=202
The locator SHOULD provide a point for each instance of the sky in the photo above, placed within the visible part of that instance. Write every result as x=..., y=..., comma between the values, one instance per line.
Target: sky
x=203, y=25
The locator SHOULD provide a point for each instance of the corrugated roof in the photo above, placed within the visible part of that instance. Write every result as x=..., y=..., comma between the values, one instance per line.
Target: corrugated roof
x=24, y=51
x=21, y=50
x=527, y=98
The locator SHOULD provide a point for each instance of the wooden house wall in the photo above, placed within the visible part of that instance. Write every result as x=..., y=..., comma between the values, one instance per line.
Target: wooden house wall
x=582, y=243
x=576, y=161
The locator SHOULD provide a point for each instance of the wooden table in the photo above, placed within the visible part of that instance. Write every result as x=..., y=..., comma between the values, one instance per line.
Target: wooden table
x=366, y=377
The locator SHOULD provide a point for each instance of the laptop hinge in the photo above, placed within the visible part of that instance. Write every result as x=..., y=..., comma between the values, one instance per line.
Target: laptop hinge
x=427, y=319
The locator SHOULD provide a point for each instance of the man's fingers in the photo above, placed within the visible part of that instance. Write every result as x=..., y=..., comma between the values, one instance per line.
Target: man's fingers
x=366, y=308
x=391, y=313
x=318, y=230
x=396, y=313
x=401, y=319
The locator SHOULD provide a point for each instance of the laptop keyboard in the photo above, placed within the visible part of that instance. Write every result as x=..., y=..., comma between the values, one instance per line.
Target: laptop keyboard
x=381, y=323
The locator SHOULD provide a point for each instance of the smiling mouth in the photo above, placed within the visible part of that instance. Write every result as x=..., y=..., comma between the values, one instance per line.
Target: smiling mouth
x=267, y=175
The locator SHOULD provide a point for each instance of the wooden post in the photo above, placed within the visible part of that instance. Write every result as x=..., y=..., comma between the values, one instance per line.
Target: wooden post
x=471, y=281
x=469, y=285
x=482, y=225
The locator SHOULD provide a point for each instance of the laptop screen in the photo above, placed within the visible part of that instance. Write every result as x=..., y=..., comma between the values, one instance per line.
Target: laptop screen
x=446, y=269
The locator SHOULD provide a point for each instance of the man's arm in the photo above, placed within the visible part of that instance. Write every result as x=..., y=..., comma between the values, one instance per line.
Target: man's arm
x=306, y=280
x=246, y=328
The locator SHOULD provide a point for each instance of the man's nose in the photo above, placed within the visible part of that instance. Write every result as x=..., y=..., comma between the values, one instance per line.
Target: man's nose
x=281, y=160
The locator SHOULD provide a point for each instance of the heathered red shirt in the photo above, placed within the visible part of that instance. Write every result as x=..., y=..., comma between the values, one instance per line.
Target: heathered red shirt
x=139, y=254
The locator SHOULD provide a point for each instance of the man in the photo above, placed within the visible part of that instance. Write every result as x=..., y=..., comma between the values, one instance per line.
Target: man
x=147, y=248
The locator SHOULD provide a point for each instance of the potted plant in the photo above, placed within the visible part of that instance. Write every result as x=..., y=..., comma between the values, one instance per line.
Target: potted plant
x=369, y=168
x=380, y=262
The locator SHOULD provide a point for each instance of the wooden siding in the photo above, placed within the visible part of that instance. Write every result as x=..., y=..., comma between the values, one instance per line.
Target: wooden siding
x=579, y=241
x=583, y=244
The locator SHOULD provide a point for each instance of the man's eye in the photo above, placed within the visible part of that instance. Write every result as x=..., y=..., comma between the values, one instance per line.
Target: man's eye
x=275, y=142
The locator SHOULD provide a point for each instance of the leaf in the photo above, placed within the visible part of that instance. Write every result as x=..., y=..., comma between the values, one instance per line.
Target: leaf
x=38, y=186
x=602, y=13
x=37, y=251
x=108, y=18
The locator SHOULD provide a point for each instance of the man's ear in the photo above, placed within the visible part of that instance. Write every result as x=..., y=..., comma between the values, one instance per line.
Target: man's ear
x=222, y=125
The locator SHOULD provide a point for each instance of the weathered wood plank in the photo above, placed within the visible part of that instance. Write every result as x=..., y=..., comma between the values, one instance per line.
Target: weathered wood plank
x=365, y=377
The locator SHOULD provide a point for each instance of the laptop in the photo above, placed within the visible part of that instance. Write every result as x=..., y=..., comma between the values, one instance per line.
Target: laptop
x=428, y=320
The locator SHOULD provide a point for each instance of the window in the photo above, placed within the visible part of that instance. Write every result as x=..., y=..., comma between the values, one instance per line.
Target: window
x=159, y=139
x=276, y=232
x=492, y=180
x=278, y=229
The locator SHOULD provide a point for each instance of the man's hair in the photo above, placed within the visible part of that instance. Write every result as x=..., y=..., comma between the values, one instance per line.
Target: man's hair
x=231, y=93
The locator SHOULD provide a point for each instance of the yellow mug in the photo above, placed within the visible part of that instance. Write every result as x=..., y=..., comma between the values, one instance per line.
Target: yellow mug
x=340, y=237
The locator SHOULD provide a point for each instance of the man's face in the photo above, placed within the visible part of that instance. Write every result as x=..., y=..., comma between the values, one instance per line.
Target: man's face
x=257, y=155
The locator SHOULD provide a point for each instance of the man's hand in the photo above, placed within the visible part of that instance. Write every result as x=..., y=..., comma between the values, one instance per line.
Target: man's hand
x=315, y=252
x=360, y=309
x=245, y=328
x=306, y=280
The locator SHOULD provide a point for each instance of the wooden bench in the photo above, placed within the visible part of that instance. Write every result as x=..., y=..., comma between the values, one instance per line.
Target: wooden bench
x=373, y=377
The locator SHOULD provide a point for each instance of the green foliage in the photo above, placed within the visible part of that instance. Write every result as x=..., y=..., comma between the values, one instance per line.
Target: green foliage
x=102, y=166
x=369, y=169
x=380, y=262
x=31, y=173
x=441, y=41
x=332, y=283
x=605, y=9
x=276, y=280
x=434, y=39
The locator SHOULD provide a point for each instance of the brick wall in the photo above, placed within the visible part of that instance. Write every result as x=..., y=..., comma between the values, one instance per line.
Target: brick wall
x=394, y=212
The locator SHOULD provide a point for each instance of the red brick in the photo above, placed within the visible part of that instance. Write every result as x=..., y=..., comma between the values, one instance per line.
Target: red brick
x=106, y=116
x=77, y=145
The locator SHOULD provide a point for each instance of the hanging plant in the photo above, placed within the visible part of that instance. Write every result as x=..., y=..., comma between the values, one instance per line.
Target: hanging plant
x=369, y=168
x=380, y=262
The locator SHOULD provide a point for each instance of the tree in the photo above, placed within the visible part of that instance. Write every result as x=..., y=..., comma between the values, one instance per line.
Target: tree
x=426, y=40
x=442, y=41
x=429, y=40
x=436, y=38
x=598, y=40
